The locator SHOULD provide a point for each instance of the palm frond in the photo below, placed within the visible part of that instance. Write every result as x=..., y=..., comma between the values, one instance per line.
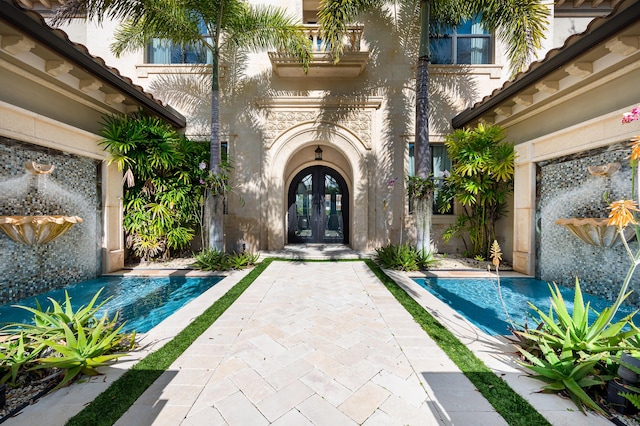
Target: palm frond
x=520, y=25
x=261, y=27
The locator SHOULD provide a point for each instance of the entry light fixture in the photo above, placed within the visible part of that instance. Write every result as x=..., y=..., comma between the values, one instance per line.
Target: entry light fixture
x=318, y=153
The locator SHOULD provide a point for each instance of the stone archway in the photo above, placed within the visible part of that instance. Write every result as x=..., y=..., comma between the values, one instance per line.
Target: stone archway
x=293, y=151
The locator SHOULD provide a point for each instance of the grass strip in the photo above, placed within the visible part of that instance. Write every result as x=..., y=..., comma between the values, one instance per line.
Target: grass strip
x=509, y=404
x=111, y=404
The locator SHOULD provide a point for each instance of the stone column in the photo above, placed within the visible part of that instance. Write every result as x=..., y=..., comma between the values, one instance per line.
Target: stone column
x=524, y=250
x=112, y=233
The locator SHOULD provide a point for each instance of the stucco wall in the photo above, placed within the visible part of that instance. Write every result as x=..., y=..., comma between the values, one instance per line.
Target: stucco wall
x=253, y=98
x=70, y=190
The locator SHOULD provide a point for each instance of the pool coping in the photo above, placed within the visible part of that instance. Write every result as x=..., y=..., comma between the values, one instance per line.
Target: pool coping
x=61, y=405
x=495, y=351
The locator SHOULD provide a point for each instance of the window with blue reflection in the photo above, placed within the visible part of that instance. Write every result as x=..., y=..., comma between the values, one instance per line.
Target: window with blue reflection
x=466, y=44
x=161, y=51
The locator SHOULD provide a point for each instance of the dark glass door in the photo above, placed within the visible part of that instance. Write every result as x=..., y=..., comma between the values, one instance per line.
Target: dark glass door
x=318, y=207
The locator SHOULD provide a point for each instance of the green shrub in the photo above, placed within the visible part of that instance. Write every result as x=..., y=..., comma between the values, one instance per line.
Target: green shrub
x=216, y=260
x=403, y=257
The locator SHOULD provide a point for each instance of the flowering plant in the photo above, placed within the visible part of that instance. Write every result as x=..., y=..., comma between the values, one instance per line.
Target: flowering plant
x=632, y=115
x=623, y=214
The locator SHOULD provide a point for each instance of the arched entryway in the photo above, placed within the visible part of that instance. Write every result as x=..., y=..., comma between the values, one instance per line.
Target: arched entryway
x=318, y=207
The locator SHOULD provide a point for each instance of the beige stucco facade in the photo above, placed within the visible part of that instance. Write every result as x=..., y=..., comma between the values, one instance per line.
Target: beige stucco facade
x=359, y=112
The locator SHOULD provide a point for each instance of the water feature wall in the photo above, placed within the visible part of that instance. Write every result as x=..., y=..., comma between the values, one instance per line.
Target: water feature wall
x=72, y=189
x=566, y=189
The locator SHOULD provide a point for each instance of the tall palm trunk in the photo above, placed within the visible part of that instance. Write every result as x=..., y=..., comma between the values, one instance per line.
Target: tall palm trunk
x=214, y=160
x=424, y=205
x=214, y=207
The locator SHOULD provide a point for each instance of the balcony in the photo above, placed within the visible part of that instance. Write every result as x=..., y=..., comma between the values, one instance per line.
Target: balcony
x=352, y=62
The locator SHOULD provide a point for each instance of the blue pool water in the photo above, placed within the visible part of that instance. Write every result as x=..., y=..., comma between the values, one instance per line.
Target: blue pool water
x=477, y=300
x=141, y=301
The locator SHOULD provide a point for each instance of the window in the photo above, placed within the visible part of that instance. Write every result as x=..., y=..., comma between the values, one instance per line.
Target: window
x=440, y=163
x=162, y=51
x=224, y=151
x=468, y=43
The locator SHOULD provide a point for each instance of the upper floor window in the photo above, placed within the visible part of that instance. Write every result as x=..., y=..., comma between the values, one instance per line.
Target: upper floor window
x=440, y=166
x=161, y=51
x=469, y=43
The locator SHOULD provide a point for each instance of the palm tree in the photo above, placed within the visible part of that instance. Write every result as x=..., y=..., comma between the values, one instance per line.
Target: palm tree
x=519, y=24
x=228, y=24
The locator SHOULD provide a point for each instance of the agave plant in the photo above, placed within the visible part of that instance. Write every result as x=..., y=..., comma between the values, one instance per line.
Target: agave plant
x=82, y=352
x=599, y=336
x=52, y=321
x=241, y=260
x=564, y=372
x=216, y=260
x=15, y=355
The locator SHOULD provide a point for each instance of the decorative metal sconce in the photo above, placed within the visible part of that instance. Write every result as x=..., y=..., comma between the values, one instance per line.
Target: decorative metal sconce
x=318, y=153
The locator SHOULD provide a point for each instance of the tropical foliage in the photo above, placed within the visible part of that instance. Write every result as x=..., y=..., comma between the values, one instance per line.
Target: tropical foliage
x=163, y=183
x=404, y=257
x=61, y=341
x=481, y=182
x=420, y=188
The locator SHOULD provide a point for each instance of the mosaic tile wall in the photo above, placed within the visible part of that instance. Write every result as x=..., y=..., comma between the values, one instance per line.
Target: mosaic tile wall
x=72, y=189
x=565, y=190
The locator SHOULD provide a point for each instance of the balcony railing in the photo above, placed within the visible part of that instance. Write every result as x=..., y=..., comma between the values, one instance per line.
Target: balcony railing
x=352, y=62
x=352, y=39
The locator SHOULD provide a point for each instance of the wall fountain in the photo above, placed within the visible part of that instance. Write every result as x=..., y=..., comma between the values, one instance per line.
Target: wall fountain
x=573, y=239
x=51, y=219
x=37, y=229
x=596, y=231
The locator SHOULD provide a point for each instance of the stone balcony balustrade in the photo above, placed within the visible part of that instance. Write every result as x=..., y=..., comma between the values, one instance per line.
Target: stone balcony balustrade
x=352, y=62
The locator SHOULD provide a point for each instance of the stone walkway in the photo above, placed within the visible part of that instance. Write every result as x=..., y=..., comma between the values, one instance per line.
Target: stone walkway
x=313, y=344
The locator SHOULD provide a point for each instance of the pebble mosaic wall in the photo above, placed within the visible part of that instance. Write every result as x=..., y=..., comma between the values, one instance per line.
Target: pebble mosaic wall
x=567, y=190
x=72, y=189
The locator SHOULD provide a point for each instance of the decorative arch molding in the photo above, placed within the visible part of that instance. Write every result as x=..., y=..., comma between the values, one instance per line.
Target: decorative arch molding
x=350, y=153
x=281, y=124
x=352, y=114
x=301, y=135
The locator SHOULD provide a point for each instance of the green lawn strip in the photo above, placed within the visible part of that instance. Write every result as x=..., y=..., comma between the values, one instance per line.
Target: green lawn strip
x=508, y=403
x=111, y=404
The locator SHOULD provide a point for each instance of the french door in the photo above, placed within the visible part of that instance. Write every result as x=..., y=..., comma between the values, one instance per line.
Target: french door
x=318, y=207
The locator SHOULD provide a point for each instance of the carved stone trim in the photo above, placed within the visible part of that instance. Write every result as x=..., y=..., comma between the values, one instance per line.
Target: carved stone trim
x=278, y=122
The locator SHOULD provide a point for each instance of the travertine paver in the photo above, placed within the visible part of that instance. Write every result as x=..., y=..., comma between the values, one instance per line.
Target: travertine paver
x=311, y=343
